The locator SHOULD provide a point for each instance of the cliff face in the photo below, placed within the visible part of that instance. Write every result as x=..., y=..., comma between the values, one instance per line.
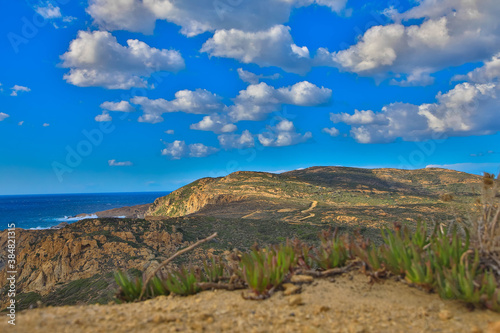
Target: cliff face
x=191, y=198
x=50, y=258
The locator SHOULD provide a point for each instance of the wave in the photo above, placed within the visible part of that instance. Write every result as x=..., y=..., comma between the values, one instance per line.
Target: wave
x=76, y=218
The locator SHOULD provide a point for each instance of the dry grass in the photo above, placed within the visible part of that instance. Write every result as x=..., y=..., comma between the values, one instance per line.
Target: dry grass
x=484, y=225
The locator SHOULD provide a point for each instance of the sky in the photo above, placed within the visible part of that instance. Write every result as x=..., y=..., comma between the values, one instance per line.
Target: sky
x=130, y=95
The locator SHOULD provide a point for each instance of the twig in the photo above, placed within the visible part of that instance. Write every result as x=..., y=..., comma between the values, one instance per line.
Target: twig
x=178, y=253
x=329, y=272
x=225, y=286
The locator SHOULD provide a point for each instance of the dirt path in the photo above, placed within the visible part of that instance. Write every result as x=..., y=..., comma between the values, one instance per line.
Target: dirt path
x=347, y=305
x=313, y=205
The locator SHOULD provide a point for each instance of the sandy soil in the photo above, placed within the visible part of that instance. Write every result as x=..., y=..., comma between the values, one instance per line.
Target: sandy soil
x=345, y=304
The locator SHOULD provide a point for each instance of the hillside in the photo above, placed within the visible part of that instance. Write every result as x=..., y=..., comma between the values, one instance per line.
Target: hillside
x=325, y=195
x=75, y=264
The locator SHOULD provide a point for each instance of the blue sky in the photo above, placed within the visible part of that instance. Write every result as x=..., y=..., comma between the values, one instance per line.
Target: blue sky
x=111, y=96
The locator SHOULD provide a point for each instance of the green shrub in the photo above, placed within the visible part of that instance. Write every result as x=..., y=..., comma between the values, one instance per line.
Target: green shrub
x=265, y=269
x=333, y=251
x=183, y=282
x=214, y=270
x=130, y=289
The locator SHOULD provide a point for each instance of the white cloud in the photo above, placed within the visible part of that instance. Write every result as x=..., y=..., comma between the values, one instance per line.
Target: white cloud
x=331, y=131
x=253, y=78
x=104, y=116
x=195, y=16
x=170, y=131
x=470, y=108
x=199, y=101
x=115, y=163
x=178, y=149
x=258, y=100
x=21, y=123
x=235, y=141
x=200, y=150
x=3, y=116
x=16, y=89
x=489, y=72
x=49, y=11
x=214, y=123
x=96, y=59
x=283, y=134
x=46, y=125
x=253, y=103
x=122, y=106
x=272, y=47
x=453, y=32
x=358, y=118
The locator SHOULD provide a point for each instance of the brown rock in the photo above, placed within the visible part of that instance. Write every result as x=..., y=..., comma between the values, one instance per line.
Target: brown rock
x=290, y=289
x=295, y=300
x=320, y=309
x=445, y=315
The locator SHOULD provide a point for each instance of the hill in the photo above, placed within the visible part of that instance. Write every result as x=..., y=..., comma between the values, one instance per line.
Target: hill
x=75, y=264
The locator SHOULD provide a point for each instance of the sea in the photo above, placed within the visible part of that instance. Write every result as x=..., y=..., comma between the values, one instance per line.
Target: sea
x=45, y=211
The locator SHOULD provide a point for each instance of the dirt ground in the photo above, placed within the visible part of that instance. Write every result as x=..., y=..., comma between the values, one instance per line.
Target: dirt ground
x=345, y=304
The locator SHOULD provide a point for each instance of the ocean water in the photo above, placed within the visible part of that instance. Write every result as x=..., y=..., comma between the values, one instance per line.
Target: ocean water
x=45, y=211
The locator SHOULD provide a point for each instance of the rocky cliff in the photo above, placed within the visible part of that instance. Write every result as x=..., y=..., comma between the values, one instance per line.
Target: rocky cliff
x=49, y=259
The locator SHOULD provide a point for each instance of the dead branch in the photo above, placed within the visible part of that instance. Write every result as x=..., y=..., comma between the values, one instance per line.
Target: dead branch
x=164, y=263
x=225, y=286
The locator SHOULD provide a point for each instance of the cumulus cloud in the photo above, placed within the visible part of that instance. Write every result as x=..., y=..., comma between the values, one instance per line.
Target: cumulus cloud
x=96, y=59
x=46, y=125
x=469, y=108
x=199, y=101
x=122, y=106
x=195, y=16
x=16, y=89
x=170, y=131
x=252, y=103
x=258, y=100
x=21, y=123
x=358, y=118
x=214, y=123
x=116, y=163
x=272, y=47
x=3, y=116
x=283, y=134
x=235, y=141
x=331, y=131
x=178, y=149
x=103, y=117
x=452, y=33
x=253, y=78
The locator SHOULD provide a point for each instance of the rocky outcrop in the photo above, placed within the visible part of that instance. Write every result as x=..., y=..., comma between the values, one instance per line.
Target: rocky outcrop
x=48, y=258
x=192, y=198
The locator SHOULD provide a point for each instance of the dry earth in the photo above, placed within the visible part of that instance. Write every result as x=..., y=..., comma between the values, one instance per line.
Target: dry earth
x=348, y=304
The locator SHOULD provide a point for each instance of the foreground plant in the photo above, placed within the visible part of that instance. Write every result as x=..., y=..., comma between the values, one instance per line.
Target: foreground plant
x=484, y=224
x=214, y=270
x=184, y=281
x=130, y=289
x=333, y=251
x=263, y=270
